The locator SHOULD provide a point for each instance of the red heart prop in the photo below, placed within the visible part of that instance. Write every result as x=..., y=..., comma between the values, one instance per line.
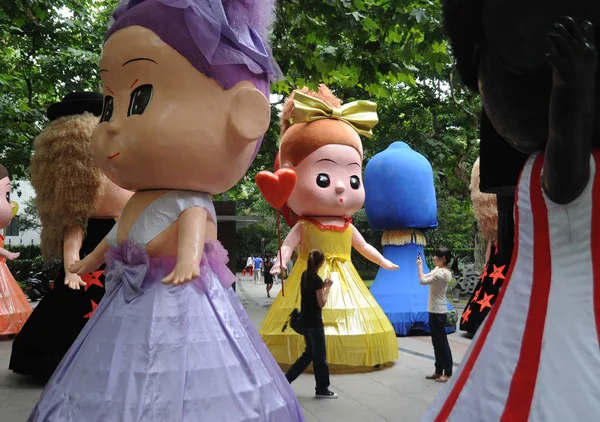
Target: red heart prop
x=276, y=188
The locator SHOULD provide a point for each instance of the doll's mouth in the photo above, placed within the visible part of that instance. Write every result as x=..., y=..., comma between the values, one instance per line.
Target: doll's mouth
x=110, y=157
x=341, y=200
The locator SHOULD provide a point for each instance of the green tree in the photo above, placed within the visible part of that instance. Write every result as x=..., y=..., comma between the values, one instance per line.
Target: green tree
x=49, y=48
x=29, y=218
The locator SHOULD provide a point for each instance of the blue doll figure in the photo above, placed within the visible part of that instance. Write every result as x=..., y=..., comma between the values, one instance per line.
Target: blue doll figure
x=185, y=86
x=400, y=199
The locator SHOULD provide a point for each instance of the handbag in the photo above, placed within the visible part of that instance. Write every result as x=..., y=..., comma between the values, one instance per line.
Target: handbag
x=295, y=318
x=451, y=318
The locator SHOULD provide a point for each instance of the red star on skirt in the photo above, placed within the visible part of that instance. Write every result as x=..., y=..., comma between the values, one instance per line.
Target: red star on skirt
x=485, y=302
x=92, y=278
x=465, y=315
x=497, y=274
x=89, y=314
x=484, y=275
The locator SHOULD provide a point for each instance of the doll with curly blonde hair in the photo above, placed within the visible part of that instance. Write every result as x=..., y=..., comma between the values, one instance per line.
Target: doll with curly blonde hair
x=485, y=208
x=321, y=143
x=77, y=206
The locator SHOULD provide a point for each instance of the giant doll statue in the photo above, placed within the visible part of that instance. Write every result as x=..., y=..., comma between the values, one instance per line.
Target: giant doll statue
x=537, y=356
x=14, y=305
x=483, y=298
x=77, y=206
x=320, y=142
x=400, y=199
x=185, y=106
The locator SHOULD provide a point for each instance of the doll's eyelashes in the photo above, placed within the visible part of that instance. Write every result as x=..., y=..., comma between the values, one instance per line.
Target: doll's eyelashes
x=355, y=182
x=323, y=180
x=139, y=99
x=107, y=109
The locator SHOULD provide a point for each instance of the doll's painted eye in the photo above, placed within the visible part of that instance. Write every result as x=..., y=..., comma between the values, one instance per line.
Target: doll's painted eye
x=8, y=197
x=355, y=182
x=139, y=100
x=107, y=109
x=323, y=180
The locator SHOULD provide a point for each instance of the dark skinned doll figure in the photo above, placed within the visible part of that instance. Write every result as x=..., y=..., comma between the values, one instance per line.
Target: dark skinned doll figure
x=537, y=356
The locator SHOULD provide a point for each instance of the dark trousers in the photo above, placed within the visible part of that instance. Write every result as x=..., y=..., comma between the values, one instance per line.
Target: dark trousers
x=441, y=348
x=316, y=353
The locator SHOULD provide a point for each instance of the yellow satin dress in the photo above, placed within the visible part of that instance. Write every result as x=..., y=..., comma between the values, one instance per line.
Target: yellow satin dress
x=358, y=333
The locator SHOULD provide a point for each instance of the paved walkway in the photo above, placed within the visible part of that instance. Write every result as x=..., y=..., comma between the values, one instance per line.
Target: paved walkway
x=397, y=394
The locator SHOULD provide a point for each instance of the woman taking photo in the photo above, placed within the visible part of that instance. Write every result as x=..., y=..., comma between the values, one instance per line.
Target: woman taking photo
x=314, y=294
x=438, y=280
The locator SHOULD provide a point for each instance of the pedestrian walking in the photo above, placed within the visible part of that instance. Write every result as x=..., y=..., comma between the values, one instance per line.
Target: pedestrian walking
x=314, y=293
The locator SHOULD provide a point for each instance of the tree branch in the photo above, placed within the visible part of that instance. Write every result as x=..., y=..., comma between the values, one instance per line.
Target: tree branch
x=460, y=105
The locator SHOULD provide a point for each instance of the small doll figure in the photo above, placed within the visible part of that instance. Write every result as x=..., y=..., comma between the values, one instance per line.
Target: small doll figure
x=481, y=301
x=78, y=206
x=186, y=87
x=14, y=306
x=535, y=63
x=320, y=142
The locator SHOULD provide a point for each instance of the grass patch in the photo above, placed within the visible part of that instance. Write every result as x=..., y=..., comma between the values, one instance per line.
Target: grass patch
x=369, y=283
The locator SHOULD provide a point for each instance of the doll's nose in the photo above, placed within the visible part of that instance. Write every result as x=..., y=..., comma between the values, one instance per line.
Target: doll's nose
x=339, y=187
x=113, y=128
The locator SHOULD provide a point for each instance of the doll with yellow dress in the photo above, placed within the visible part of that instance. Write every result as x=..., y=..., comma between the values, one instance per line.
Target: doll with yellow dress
x=320, y=142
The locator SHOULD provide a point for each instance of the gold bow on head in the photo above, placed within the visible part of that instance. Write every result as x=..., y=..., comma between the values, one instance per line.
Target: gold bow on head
x=361, y=115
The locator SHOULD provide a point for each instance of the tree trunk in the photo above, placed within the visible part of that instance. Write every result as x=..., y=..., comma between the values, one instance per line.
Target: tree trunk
x=480, y=250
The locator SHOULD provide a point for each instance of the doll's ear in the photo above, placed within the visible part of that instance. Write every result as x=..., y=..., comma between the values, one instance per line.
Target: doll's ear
x=250, y=114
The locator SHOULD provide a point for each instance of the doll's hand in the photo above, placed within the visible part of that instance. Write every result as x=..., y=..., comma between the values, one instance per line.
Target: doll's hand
x=85, y=266
x=276, y=269
x=183, y=272
x=12, y=255
x=419, y=262
x=573, y=55
x=389, y=265
x=73, y=281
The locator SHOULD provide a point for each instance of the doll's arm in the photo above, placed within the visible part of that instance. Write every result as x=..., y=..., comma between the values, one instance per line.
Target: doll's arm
x=92, y=261
x=8, y=255
x=290, y=243
x=488, y=252
x=360, y=244
x=567, y=160
x=72, y=241
x=190, y=246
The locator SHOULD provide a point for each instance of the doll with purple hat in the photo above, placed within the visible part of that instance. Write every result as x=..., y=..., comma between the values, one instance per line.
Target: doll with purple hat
x=186, y=85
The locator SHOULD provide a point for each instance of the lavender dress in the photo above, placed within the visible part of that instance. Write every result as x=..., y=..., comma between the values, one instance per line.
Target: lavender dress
x=153, y=352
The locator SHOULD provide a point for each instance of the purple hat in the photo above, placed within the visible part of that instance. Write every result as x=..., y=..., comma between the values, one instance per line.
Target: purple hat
x=223, y=39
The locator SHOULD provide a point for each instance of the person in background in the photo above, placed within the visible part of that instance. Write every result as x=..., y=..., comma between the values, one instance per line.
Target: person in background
x=249, y=267
x=268, y=264
x=314, y=293
x=258, y=263
x=438, y=280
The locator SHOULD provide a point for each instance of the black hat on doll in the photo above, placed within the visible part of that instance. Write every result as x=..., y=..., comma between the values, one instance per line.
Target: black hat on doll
x=77, y=103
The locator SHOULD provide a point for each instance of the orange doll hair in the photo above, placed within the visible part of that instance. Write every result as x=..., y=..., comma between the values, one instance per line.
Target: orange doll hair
x=300, y=140
x=484, y=207
x=67, y=183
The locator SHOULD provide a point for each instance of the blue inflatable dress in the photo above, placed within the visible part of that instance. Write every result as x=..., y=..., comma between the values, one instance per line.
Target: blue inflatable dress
x=400, y=199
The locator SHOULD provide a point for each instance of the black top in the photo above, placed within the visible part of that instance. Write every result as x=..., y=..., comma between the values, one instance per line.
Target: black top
x=311, y=311
x=268, y=264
